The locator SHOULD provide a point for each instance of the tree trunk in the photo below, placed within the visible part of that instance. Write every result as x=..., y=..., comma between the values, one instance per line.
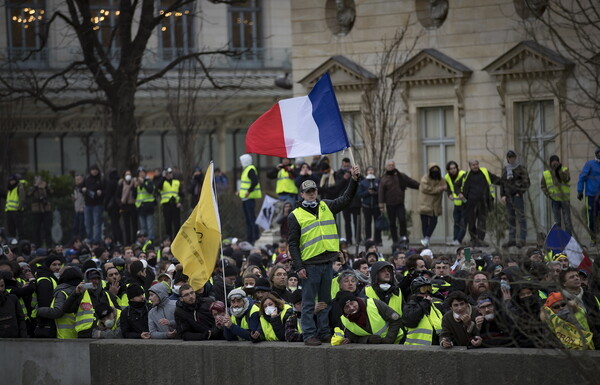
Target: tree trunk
x=124, y=128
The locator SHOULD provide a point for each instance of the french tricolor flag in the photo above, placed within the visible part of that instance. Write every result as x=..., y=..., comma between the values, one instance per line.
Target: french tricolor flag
x=559, y=241
x=302, y=126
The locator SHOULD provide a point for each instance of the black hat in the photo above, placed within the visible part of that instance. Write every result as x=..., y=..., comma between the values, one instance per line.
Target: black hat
x=102, y=310
x=511, y=154
x=554, y=158
x=92, y=273
x=231, y=270
x=136, y=267
x=53, y=257
x=262, y=284
x=134, y=290
x=343, y=297
x=98, y=251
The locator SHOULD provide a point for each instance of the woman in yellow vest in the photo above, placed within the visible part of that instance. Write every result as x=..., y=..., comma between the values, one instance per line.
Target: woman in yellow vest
x=369, y=321
x=274, y=313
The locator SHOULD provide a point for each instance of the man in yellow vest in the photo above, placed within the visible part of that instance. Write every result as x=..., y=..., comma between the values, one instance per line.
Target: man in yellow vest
x=369, y=321
x=15, y=204
x=477, y=190
x=422, y=316
x=555, y=185
x=145, y=202
x=171, y=195
x=285, y=188
x=314, y=244
x=249, y=192
x=384, y=286
x=454, y=177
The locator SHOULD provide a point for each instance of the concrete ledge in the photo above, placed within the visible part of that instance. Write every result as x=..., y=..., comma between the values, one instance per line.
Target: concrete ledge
x=48, y=362
x=231, y=363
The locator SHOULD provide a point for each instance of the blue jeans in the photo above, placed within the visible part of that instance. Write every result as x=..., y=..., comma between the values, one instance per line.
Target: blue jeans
x=562, y=208
x=147, y=224
x=460, y=223
x=79, y=225
x=515, y=211
x=316, y=285
x=93, y=222
x=249, y=206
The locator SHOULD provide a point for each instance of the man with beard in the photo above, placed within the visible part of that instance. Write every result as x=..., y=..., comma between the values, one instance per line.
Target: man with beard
x=493, y=328
x=383, y=286
x=134, y=318
x=83, y=303
x=193, y=317
x=116, y=287
x=431, y=191
x=369, y=321
x=479, y=284
x=391, y=197
x=243, y=322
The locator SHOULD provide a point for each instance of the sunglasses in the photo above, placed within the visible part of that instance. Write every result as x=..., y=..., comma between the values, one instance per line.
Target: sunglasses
x=425, y=290
x=558, y=306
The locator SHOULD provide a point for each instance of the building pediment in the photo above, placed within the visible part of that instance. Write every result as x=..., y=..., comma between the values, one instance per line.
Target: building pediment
x=430, y=66
x=528, y=59
x=346, y=75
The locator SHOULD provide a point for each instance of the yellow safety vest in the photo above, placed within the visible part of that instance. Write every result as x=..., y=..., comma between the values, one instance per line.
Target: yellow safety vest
x=244, y=322
x=338, y=336
x=268, y=329
x=285, y=184
x=455, y=198
x=562, y=192
x=317, y=235
x=143, y=196
x=423, y=333
x=335, y=286
x=21, y=305
x=85, y=316
x=34, y=299
x=245, y=183
x=395, y=300
x=65, y=325
x=12, y=200
x=486, y=174
x=169, y=190
x=378, y=324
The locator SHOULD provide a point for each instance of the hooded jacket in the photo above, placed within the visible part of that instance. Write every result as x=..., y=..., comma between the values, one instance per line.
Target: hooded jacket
x=165, y=309
x=387, y=295
x=93, y=184
x=430, y=196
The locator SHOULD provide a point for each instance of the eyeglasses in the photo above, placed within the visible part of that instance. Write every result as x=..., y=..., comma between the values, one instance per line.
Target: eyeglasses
x=280, y=274
x=558, y=306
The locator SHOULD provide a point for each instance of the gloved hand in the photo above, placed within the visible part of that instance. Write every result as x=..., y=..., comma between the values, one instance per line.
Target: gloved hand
x=374, y=339
x=580, y=196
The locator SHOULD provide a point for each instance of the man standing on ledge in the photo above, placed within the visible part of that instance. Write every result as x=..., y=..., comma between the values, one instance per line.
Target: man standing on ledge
x=249, y=192
x=314, y=245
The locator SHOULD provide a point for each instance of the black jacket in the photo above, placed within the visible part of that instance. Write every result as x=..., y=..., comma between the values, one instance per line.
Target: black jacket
x=12, y=320
x=134, y=321
x=195, y=322
x=92, y=185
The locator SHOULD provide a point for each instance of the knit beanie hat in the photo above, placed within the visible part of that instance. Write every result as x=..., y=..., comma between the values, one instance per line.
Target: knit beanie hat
x=136, y=267
x=553, y=298
x=554, y=158
x=134, y=290
x=53, y=257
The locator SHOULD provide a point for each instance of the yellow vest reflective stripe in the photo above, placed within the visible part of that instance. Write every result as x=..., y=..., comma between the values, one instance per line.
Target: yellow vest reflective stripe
x=142, y=196
x=285, y=184
x=245, y=183
x=123, y=301
x=12, y=200
x=85, y=316
x=457, y=201
x=244, y=322
x=337, y=337
x=395, y=300
x=423, y=333
x=268, y=329
x=34, y=300
x=21, y=305
x=65, y=325
x=378, y=324
x=560, y=192
x=169, y=190
x=486, y=174
x=317, y=235
x=335, y=286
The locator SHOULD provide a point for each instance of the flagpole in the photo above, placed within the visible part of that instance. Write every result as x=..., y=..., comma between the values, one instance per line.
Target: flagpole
x=216, y=192
x=351, y=155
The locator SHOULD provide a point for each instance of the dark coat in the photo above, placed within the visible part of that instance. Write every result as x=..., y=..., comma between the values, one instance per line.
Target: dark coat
x=195, y=322
x=134, y=321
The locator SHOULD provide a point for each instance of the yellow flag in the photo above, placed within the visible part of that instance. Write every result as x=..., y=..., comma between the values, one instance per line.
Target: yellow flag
x=197, y=243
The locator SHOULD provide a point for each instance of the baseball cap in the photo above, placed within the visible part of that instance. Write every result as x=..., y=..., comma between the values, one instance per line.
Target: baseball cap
x=307, y=185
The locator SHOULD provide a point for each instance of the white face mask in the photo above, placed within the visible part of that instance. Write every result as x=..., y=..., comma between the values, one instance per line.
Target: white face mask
x=176, y=289
x=385, y=286
x=456, y=316
x=127, y=178
x=249, y=286
x=370, y=176
x=489, y=317
x=237, y=311
x=109, y=323
x=270, y=310
x=57, y=275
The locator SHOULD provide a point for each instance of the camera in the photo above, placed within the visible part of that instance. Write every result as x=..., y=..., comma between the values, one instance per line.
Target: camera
x=5, y=249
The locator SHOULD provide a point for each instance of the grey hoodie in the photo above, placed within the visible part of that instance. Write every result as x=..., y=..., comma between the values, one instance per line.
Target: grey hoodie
x=56, y=311
x=165, y=309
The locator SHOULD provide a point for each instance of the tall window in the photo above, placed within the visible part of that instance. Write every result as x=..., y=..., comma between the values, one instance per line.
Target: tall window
x=536, y=135
x=105, y=15
x=245, y=28
x=25, y=26
x=176, y=35
x=437, y=130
